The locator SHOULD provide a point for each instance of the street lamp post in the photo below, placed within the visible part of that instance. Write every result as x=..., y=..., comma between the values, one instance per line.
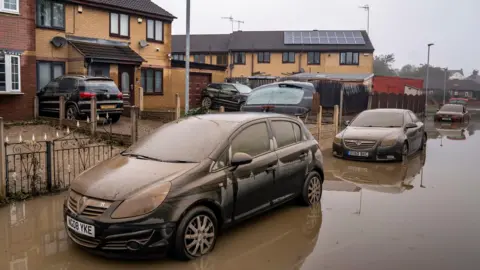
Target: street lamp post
x=445, y=85
x=367, y=8
x=426, y=80
x=187, y=58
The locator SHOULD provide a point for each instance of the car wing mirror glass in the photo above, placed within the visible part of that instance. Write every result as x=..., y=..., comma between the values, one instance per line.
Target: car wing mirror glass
x=240, y=158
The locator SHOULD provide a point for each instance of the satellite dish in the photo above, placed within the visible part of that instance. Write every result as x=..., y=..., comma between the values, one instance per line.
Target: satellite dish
x=58, y=42
x=143, y=43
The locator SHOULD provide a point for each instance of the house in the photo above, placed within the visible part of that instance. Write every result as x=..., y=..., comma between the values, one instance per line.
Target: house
x=396, y=84
x=456, y=74
x=464, y=88
x=281, y=53
x=17, y=59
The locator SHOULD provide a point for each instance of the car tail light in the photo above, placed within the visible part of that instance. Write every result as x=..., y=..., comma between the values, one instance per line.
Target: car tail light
x=87, y=95
x=120, y=95
x=267, y=107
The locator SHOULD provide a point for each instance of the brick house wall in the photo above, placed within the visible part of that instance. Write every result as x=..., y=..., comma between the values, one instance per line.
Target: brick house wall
x=18, y=34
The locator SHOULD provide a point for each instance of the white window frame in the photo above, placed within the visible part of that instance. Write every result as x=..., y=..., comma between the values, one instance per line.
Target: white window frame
x=3, y=9
x=8, y=73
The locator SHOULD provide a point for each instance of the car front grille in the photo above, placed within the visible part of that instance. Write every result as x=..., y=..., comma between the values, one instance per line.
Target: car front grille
x=83, y=240
x=359, y=144
x=89, y=207
x=119, y=242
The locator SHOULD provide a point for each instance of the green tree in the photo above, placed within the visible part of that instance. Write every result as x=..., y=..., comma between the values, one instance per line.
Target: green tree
x=383, y=65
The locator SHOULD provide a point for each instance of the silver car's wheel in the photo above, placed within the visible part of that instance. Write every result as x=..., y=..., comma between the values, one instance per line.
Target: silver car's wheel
x=199, y=236
x=314, y=190
x=404, y=152
x=207, y=102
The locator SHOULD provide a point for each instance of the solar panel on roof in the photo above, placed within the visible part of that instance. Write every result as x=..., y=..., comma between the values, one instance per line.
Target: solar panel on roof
x=323, y=37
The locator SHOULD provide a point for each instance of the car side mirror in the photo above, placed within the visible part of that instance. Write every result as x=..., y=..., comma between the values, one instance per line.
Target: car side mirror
x=411, y=125
x=240, y=158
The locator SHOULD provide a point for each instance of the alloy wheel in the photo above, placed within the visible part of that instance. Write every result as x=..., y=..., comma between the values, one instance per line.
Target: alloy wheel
x=199, y=236
x=70, y=113
x=206, y=102
x=314, y=190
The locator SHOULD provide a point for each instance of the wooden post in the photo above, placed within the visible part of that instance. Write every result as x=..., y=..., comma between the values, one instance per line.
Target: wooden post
x=177, y=106
x=93, y=115
x=36, y=105
x=222, y=109
x=62, y=110
x=134, y=124
x=369, y=104
x=3, y=165
x=341, y=105
x=319, y=122
x=140, y=99
x=335, y=118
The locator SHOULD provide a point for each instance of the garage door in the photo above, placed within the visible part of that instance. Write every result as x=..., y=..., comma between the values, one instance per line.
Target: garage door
x=198, y=82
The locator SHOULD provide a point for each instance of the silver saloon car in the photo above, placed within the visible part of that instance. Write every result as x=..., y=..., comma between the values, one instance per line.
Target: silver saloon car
x=381, y=135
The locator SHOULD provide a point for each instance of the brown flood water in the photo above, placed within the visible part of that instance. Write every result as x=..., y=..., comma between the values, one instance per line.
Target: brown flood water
x=424, y=214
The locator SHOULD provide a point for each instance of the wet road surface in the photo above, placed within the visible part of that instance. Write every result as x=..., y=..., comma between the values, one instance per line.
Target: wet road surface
x=423, y=214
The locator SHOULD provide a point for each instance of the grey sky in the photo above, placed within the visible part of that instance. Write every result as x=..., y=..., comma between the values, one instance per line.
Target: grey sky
x=402, y=27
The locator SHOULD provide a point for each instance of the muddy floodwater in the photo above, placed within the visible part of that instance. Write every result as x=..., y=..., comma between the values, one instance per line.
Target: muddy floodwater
x=422, y=214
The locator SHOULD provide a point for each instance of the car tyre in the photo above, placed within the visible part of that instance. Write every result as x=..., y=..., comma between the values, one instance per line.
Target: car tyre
x=115, y=118
x=196, y=234
x=405, y=151
x=207, y=102
x=72, y=113
x=241, y=106
x=312, y=189
x=424, y=142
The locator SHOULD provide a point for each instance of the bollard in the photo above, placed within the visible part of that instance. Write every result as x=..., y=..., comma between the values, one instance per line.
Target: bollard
x=36, y=108
x=134, y=124
x=335, y=118
x=222, y=109
x=3, y=165
x=177, y=106
x=319, y=122
x=62, y=110
x=93, y=115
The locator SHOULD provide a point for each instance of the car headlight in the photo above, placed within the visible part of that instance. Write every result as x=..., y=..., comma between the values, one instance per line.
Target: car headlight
x=389, y=141
x=142, y=203
x=337, y=140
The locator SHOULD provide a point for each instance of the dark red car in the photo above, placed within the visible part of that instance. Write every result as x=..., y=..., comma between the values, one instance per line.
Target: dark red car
x=452, y=113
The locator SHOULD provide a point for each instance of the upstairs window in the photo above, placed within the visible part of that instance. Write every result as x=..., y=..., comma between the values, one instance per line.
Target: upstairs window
x=9, y=73
x=11, y=6
x=119, y=25
x=239, y=58
x=288, y=57
x=313, y=58
x=199, y=58
x=155, y=30
x=50, y=14
x=222, y=59
x=263, y=57
x=349, y=58
x=180, y=57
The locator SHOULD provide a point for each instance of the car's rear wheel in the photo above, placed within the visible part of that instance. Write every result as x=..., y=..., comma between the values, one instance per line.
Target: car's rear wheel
x=424, y=142
x=71, y=113
x=405, y=151
x=312, y=189
x=207, y=102
x=115, y=118
x=196, y=234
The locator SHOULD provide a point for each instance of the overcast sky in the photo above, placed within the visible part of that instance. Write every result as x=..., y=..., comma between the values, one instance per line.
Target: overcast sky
x=402, y=27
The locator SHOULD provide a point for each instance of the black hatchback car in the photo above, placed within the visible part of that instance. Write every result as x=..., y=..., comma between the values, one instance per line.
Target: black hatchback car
x=178, y=187
x=231, y=96
x=289, y=97
x=78, y=92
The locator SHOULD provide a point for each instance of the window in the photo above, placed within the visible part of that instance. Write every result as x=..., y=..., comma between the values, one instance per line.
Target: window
x=284, y=133
x=47, y=71
x=222, y=161
x=276, y=95
x=243, y=142
x=374, y=118
x=263, y=57
x=199, y=58
x=313, y=58
x=298, y=133
x=222, y=59
x=9, y=73
x=152, y=81
x=155, y=30
x=349, y=58
x=414, y=117
x=67, y=85
x=239, y=58
x=50, y=14
x=119, y=25
x=180, y=57
x=288, y=57
x=9, y=6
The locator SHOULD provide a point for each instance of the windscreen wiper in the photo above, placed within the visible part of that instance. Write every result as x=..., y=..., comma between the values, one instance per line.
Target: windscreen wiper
x=141, y=156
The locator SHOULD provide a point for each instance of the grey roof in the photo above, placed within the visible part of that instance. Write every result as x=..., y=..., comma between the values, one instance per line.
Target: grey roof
x=258, y=41
x=142, y=6
x=331, y=76
x=468, y=85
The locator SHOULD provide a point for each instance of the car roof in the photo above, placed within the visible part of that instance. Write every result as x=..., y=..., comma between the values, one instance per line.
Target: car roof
x=305, y=85
x=389, y=110
x=83, y=77
x=240, y=117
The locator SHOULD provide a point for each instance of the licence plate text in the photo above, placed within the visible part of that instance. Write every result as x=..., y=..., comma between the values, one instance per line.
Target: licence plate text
x=106, y=107
x=81, y=227
x=358, y=154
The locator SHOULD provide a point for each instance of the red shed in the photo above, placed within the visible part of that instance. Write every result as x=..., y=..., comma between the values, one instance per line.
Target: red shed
x=394, y=84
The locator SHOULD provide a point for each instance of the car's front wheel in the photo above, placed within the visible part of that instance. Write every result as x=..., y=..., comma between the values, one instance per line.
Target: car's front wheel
x=312, y=189
x=207, y=102
x=196, y=234
x=405, y=151
x=71, y=113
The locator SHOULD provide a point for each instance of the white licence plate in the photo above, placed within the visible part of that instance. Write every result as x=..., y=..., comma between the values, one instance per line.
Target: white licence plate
x=358, y=154
x=446, y=119
x=81, y=227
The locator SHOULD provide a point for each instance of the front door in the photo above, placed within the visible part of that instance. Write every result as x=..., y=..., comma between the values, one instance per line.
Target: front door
x=126, y=80
x=198, y=82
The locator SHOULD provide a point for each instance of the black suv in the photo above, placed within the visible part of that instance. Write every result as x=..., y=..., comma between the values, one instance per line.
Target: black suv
x=231, y=96
x=78, y=92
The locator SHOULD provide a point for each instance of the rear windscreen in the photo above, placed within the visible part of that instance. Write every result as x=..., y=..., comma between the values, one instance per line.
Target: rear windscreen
x=101, y=85
x=284, y=95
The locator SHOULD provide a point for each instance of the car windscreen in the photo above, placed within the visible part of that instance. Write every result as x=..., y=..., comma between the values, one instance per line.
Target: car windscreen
x=243, y=88
x=458, y=101
x=452, y=108
x=101, y=85
x=378, y=119
x=189, y=140
x=284, y=95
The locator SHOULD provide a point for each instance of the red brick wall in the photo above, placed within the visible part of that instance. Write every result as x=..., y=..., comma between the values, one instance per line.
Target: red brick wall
x=17, y=32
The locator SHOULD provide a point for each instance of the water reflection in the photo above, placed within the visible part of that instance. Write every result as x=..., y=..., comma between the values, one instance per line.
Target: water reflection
x=33, y=237
x=454, y=131
x=381, y=177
